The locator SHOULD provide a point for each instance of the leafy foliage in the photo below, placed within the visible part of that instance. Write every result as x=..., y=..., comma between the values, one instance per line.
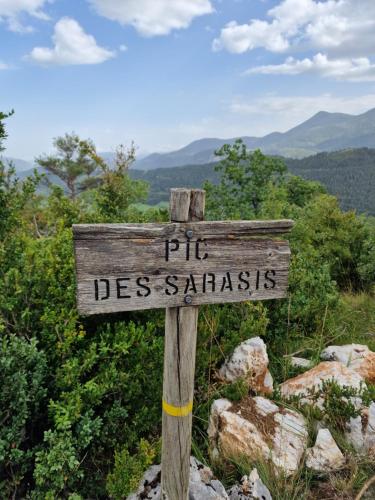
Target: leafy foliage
x=117, y=191
x=128, y=470
x=244, y=182
x=74, y=159
x=3, y=134
x=347, y=174
x=23, y=391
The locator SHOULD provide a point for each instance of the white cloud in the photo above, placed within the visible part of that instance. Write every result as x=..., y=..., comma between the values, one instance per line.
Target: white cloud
x=240, y=38
x=153, y=17
x=71, y=46
x=3, y=66
x=356, y=69
x=332, y=26
x=10, y=10
x=274, y=112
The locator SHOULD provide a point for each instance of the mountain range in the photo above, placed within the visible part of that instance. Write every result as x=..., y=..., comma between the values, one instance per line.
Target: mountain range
x=335, y=149
x=348, y=174
x=323, y=132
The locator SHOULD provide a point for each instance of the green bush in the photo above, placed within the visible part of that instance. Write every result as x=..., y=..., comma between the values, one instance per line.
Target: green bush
x=23, y=370
x=128, y=470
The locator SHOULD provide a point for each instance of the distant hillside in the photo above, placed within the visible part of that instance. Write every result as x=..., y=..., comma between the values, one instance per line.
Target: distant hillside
x=19, y=165
x=323, y=132
x=348, y=174
x=196, y=153
x=162, y=179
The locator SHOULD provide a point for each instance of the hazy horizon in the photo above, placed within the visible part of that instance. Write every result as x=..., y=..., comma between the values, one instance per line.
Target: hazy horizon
x=165, y=74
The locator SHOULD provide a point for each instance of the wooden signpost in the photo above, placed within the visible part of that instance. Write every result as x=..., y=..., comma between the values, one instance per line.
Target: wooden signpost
x=177, y=266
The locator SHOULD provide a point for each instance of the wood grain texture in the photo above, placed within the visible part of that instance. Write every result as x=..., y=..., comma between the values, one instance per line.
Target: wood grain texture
x=178, y=390
x=110, y=273
x=179, y=204
x=178, y=380
x=197, y=205
x=209, y=229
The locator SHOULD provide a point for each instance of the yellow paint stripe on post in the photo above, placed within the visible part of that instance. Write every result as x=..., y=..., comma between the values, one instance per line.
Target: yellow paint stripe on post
x=177, y=411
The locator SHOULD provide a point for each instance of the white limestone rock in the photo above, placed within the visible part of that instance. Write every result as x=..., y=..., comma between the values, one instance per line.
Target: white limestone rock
x=290, y=440
x=250, y=488
x=312, y=380
x=346, y=354
x=203, y=485
x=249, y=361
x=358, y=357
x=150, y=485
x=325, y=455
x=300, y=362
x=361, y=431
x=258, y=429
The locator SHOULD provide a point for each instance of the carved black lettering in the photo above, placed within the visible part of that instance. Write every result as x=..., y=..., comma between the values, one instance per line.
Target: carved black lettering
x=197, y=252
x=244, y=283
x=227, y=283
x=146, y=291
x=169, y=282
x=121, y=287
x=190, y=285
x=97, y=289
x=188, y=250
x=208, y=279
x=169, y=249
x=270, y=280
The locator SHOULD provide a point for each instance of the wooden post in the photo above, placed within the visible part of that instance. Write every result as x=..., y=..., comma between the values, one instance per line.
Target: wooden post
x=179, y=366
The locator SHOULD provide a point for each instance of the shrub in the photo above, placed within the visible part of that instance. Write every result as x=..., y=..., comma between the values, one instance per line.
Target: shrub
x=23, y=391
x=128, y=470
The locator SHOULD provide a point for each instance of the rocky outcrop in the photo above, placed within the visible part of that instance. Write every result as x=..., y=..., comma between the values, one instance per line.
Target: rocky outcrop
x=325, y=455
x=250, y=488
x=361, y=431
x=355, y=356
x=150, y=485
x=300, y=362
x=249, y=361
x=203, y=485
x=258, y=429
x=305, y=384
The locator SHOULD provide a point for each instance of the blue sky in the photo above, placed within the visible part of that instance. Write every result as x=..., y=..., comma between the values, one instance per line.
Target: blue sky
x=166, y=72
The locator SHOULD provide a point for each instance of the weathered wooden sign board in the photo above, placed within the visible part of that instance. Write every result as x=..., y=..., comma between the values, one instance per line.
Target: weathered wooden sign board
x=179, y=265
x=123, y=267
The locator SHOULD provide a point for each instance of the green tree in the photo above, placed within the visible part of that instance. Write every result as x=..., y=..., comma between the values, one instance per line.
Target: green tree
x=117, y=191
x=337, y=237
x=14, y=195
x=3, y=134
x=300, y=191
x=366, y=265
x=75, y=160
x=246, y=177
